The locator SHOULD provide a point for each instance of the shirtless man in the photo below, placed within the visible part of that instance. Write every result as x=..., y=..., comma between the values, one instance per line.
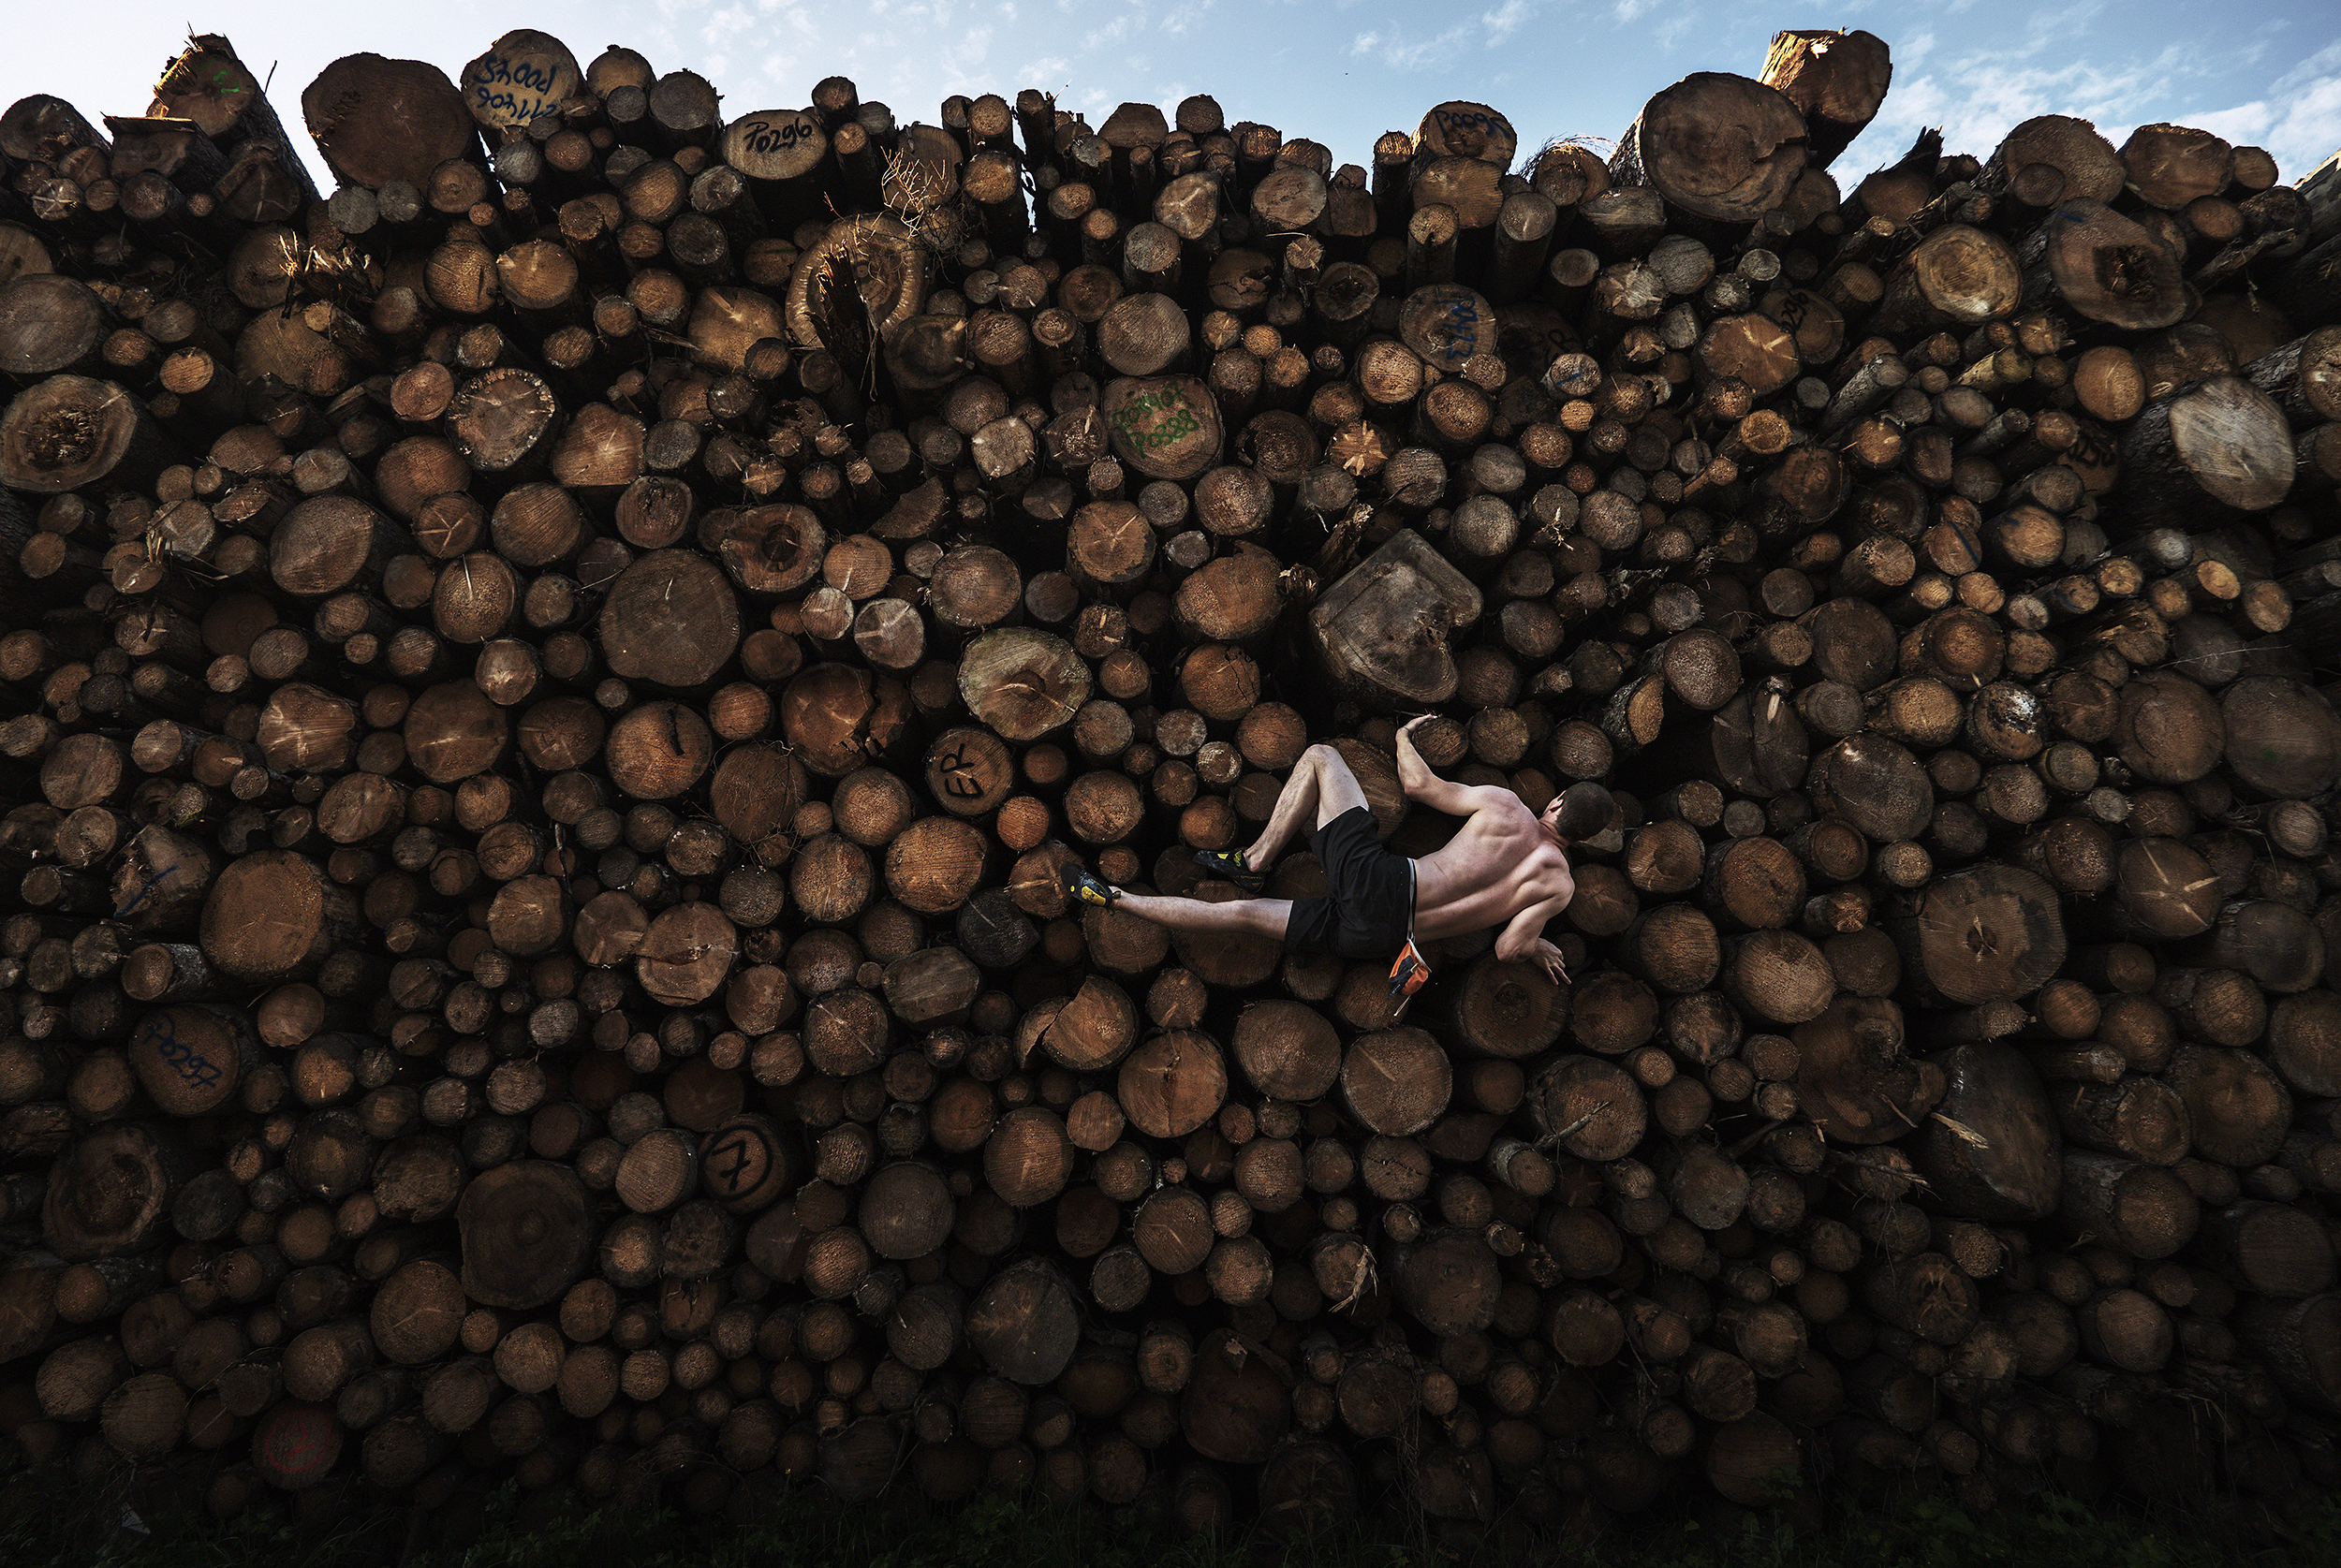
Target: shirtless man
x=1506, y=867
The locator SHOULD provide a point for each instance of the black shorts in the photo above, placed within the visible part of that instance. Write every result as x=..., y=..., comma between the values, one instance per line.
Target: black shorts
x=1371, y=911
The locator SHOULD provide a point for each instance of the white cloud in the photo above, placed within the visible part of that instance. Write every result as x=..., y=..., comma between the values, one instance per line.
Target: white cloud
x=1627, y=10
x=2324, y=63
x=724, y=25
x=2244, y=124
x=1508, y=19
x=1978, y=97
x=1392, y=49
x=2308, y=130
x=1119, y=27
x=2055, y=62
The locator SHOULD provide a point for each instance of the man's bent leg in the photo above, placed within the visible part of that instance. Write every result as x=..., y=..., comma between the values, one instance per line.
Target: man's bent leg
x=1296, y=803
x=1253, y=917
x=1321, y=789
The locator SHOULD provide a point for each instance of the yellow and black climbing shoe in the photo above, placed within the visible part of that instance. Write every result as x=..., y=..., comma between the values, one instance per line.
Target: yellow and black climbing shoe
x=1229, y=865
x=1084, y=888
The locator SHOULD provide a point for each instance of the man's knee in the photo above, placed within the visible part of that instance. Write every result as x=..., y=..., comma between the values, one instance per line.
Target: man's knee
x=1337, y=788
x=1324, y=756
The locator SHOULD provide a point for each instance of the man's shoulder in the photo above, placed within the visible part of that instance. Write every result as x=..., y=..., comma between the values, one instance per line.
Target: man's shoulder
x=1500, y=801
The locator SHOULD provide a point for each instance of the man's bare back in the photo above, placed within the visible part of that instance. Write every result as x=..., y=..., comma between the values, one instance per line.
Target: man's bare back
x=1500, y=862
x=1506, y=865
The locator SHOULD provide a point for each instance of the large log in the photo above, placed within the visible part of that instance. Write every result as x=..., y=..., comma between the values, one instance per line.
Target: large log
x=1836, y=79
x=378, y=121
x=1381, y=631
x=1716, y=146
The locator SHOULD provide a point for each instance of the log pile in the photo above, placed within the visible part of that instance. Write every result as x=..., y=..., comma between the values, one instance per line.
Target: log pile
x=549, y=689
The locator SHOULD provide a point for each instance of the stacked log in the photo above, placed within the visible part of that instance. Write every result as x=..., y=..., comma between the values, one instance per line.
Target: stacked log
x=550, y=688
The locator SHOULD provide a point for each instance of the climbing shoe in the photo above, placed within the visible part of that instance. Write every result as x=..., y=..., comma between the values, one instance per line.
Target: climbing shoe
x=1082, y=886
x=1229, y=867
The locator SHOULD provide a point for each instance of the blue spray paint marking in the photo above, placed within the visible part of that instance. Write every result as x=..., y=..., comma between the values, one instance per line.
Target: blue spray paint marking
x=147, y=886
x=191, y=1065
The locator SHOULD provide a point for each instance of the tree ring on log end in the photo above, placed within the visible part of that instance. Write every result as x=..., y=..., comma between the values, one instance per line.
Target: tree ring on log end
x=1022, y=682
x=1716, y=145
x=108, y=1195
x=889, y=271
x=527, y=1232
x=672, y=619
x=1989, y=934
x=1591, y=1108
x=296, y=1445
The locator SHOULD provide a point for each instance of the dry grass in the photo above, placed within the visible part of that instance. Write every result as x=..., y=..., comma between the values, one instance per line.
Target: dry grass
x=50, y=1520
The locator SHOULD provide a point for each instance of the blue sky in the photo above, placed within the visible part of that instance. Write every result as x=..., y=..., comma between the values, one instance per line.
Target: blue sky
x=1339, y=71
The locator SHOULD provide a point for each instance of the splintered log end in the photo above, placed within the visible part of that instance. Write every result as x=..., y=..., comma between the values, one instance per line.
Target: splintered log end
x=874, y=257
x=1852, y=1077
x=2103, y=265
x=1381, y=632
x=1992, y=1147
x=70, y=432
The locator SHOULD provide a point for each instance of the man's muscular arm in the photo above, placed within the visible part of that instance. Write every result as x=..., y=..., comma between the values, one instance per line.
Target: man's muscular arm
x=1523, y=940
x=1416, y=778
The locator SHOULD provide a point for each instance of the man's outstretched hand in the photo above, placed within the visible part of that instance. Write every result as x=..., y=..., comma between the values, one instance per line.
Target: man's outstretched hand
x=1548, y=957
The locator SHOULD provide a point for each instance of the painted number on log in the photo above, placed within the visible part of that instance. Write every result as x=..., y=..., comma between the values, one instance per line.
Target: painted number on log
x=1476, y=119
x=1452, y=335
x=1535, y=336
x=2095, y=456
x=1468, y=131
x=512, y=92
x=1177, y=420
x=194, y=1069
x=221, y=80
x=737, y=1163
x=959, y=780
x=296, y=1440
x=766, y=135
